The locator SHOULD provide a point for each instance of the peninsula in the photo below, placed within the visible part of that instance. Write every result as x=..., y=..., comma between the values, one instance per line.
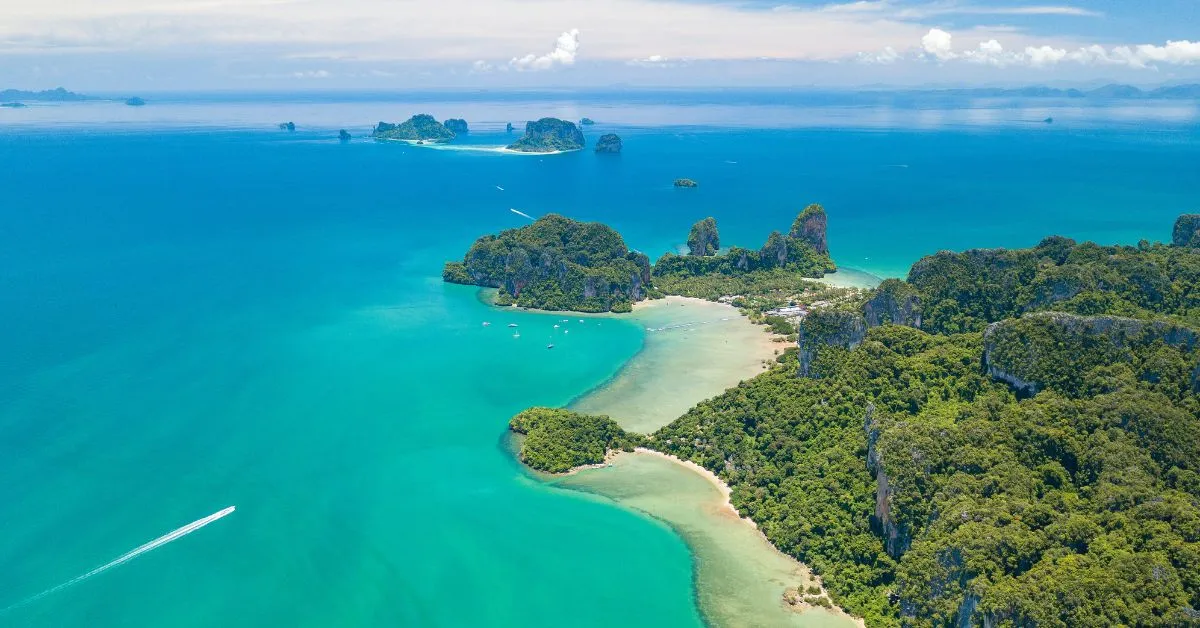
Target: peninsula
x=1006, y=437
x=549, y=135
x=419, y=128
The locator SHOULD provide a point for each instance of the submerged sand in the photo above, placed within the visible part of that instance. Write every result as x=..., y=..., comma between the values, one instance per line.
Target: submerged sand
x=695, y=350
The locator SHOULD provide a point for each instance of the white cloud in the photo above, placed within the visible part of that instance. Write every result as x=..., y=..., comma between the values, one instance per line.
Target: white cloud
x=990, y=52
x=938, y=44
x=887, y=56
x=566, y=47
x=312, y=74
x=1044, y=55
x=656, y=61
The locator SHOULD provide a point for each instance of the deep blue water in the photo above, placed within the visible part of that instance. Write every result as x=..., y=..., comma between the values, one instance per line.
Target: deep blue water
x=197, y=310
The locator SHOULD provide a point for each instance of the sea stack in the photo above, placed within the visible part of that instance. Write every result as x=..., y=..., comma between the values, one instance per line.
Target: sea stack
x=810, y=227
x=458, y=126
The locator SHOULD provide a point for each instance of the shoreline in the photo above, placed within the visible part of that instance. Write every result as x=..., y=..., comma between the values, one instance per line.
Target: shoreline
x=693, y=350
x=727, y=492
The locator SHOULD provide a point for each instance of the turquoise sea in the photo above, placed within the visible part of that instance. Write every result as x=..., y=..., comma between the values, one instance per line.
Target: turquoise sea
x=199, y=311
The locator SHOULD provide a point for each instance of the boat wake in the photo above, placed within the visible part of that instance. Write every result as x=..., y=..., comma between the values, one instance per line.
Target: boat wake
x=521, y=213
x=128, y=556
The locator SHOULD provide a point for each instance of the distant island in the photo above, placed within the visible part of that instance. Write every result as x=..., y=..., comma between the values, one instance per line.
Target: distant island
x=344, y=135
x=457, y=126
x=560, y=264
x=51, y=95
x=1007, y=437
x=135, y=102
x=549, y=135
x=419, y=128
x=609, y=143
x=287, y=126
x=587, y=122
x=686, y=183
x=14, y=105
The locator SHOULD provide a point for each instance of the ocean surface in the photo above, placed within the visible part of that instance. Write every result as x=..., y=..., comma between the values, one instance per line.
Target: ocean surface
x=199, y=311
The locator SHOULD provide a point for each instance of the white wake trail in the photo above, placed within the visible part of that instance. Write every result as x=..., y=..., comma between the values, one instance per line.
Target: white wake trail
x=521, y=213
x=130, y=555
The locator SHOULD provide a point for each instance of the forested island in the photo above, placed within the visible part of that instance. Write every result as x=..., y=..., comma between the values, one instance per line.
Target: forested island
x=419, y=128
x=50, y=95
x=561, y=264
x=549, y=135
x=1007, y=437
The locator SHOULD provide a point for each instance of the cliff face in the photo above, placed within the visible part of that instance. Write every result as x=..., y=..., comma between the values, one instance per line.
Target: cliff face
x=549, y=135
x=457, y=126
x=1187, y=231
x=894, y=302
x=896, y=540
x=704, y=238
x=556, y=264
x=810, y=226
x=1029, y=352
x=828, y=328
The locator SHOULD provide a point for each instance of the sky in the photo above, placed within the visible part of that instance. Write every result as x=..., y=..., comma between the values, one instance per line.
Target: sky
x=169, y=45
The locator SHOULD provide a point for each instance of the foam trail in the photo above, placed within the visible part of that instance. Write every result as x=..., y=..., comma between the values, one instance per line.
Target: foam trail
x=521, y=213
x=130, y=555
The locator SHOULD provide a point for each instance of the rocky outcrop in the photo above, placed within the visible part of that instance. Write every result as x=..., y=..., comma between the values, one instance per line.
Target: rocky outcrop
x=894, y=302
x=587, y=122
x=1187, y=231
x=287, y=126
x=828, y=328
x=609, y=143
x=810, y=226
x=549, y=135
x=419, y=128
x=556, y=263
x=704, y=239
x=686, y=183
x=896, y=541
x=1041, y=350
x=508, y=128
x=457, y=126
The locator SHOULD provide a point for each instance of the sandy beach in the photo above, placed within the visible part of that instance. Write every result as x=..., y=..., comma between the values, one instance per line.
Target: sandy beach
x=694, y=350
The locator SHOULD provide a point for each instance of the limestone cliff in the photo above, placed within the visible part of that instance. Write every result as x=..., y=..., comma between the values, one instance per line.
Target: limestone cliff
x=828, y=328
x=1187, y=231
x=1053, y=349
x=810, y=226
x=704, y=238
x=457, y=126
x=894, y=302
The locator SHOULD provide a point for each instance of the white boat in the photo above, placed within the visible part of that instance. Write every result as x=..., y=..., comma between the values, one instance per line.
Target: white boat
x=486, y=324
x=550, y=346
x=512, y=324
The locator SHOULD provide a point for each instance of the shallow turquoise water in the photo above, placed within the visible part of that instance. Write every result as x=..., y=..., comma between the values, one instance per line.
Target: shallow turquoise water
x=193, y=317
